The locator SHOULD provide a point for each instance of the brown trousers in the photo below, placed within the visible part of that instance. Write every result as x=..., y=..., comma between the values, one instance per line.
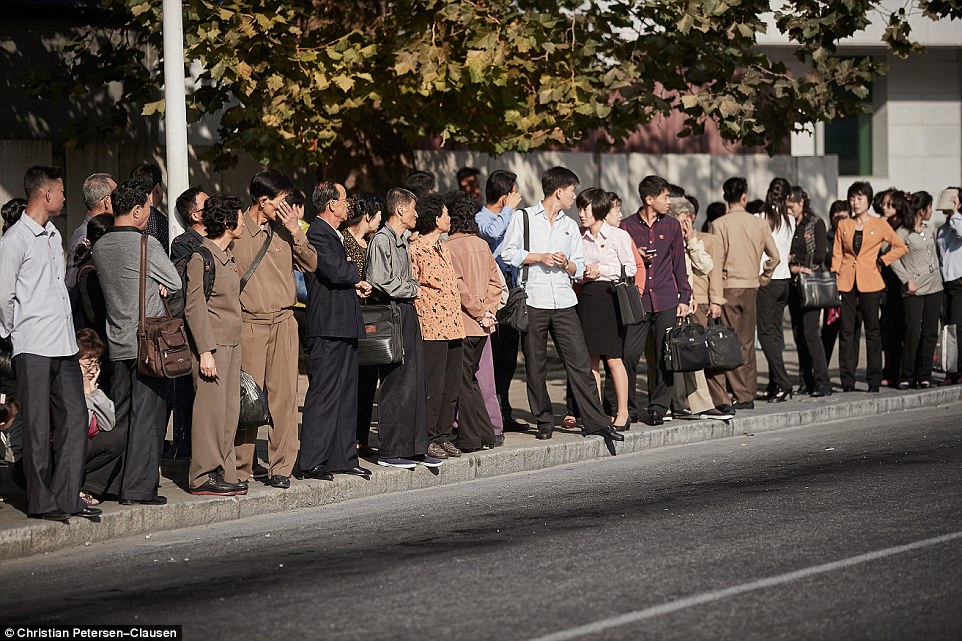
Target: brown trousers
x=739, y=313
x=270, y=357
x=716, y=381
x=214, y=426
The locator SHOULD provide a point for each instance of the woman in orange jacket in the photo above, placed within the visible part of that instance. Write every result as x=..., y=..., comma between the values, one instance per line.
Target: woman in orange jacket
x=856, y=261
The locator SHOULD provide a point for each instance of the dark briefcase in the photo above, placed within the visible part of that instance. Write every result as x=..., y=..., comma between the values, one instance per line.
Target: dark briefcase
x=686, y=347
x=724, y=348
x=382, y=343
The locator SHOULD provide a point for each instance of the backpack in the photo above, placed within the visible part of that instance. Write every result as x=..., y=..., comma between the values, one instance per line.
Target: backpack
x=178, y=300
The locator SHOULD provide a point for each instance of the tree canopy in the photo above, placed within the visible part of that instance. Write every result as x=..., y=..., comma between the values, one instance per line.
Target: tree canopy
x=294, y=81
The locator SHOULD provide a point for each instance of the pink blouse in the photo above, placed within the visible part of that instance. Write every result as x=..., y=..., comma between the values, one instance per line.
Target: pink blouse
x=610, y=250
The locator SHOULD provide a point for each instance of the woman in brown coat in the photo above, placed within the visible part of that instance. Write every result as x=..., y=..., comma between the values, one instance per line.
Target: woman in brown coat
x=215, y=329
x=856, y=261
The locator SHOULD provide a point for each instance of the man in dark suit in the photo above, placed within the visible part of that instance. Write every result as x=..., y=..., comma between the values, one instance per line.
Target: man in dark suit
x=334, y=324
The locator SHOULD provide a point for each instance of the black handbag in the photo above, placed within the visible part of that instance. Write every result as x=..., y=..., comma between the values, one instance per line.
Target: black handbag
x=254, y=411
x=515, y=312
x=724, y=347
x=382, y=343
x=818, y=290
x=686, y=347
x=629, y=301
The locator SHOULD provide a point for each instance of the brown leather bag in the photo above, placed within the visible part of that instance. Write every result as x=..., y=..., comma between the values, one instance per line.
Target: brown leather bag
x=162, y=349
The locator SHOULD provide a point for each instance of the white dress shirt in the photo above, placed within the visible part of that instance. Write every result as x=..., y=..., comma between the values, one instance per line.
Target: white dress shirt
x=34, y=304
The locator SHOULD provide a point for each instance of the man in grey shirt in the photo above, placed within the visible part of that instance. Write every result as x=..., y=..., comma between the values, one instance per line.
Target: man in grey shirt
x=35, y=314
x=141, y=402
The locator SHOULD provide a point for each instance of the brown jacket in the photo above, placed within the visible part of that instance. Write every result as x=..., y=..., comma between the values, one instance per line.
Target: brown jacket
x=216, y=321
x=862, y=271
x=710, y=288
x=744, y=238
x=479, y=282
x=271, y=294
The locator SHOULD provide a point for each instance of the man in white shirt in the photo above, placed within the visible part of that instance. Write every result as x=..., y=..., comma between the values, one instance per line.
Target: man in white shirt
x=549, y=261
x=35, y=314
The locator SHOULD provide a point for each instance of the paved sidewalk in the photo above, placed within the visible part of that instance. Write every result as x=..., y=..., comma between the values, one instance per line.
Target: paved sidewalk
x=20, y=536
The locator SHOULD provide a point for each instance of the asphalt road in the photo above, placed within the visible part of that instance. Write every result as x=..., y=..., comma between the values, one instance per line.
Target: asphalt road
x=821, y=532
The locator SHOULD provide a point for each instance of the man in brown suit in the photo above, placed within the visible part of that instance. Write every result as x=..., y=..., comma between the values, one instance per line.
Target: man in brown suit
x=744, y=238
x=269, y=336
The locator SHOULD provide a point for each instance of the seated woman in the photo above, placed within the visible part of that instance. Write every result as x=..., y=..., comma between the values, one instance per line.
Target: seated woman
x=608, y=257
x=215, y=327
x=480, y=286
x=439, y=313
x=106, y=445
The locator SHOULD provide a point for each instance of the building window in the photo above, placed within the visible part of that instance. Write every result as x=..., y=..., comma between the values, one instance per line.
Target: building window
x=851, y=139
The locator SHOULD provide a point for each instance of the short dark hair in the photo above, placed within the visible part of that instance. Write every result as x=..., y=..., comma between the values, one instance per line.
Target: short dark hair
x=420, y=183
x=598, y=199
x=652, y=186
x=271, y=183
x=89, y=344
x=467, y=172
x=756, y=206
x=12, y=211
x=734, y=188
x=499, y=183
x=837, y=206
x=366, y=205
x=879, y=200
x=325, y=192
x=220, y=214
x=462, y=208
x=861, y=188
x=799, y=195
x=429, y=207
x=614, y=198
x=186, y=203
x=38, y=177
x=296, y=197
x=713, y=212
x=149, y=174
x=558, y=178
x=674, y=191
x=128, y=195
x=395, y=198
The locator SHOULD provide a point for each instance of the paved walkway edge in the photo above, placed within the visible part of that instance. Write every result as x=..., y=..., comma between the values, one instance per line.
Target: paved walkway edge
x=37, y=537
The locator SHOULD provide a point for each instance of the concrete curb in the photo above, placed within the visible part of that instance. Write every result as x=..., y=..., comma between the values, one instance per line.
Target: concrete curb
x=37, y=537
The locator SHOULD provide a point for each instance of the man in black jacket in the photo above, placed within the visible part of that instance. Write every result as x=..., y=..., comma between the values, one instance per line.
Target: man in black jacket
x=334, y=325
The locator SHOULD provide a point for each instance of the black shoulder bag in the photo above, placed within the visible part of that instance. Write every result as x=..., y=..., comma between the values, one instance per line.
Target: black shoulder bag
x=515, y=312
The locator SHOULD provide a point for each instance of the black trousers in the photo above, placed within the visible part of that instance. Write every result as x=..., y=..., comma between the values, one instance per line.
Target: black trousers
x=504, y=353
x=869, y=303
x=329, y=423
x=636, y=341
x=442, y=380
x=54, y=431
x=565, y=330
x=141, y=406
x=104, y=455
x=953, y=310
x=772, y=300
x=474, y=424
x=830, y=334
x=812, y=364
x=892, y=326
x=921, y=334
x=402, y=416
x=183, y=404
x=367, y=378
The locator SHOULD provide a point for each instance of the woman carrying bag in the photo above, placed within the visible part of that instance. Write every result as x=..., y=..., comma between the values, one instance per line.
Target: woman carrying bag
x=809, y=247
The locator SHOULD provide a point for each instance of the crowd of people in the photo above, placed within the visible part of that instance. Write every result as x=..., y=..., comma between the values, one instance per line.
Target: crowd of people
x=256, y=284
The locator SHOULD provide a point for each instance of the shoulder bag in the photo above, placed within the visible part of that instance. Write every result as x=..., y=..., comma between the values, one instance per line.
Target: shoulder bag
x=818, y=290
x=382, y=343
x=686, y=347
x=162, y=350
x=515, y=311
x=724, y=347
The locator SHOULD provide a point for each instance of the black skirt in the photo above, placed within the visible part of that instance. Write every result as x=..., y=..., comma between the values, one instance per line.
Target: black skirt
x=600, y=320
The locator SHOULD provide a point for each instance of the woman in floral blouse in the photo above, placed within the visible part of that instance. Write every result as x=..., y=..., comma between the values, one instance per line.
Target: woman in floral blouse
x=439, y=310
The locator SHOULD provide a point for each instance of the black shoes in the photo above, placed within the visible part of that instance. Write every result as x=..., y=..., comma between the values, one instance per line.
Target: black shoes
x=499, y=438
x=355, y=471
x=217, y=486
x=655, y=417
x=89, y=513
x=873, y=389
x=544, y=433
x=781, y=396
x=822, y=390
x=318, y=472
x=157, y=500
x=279, y=481
x=259, y=472
x=607, y=432
x=52, y=515
x=747, y=405
x=511, y=425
